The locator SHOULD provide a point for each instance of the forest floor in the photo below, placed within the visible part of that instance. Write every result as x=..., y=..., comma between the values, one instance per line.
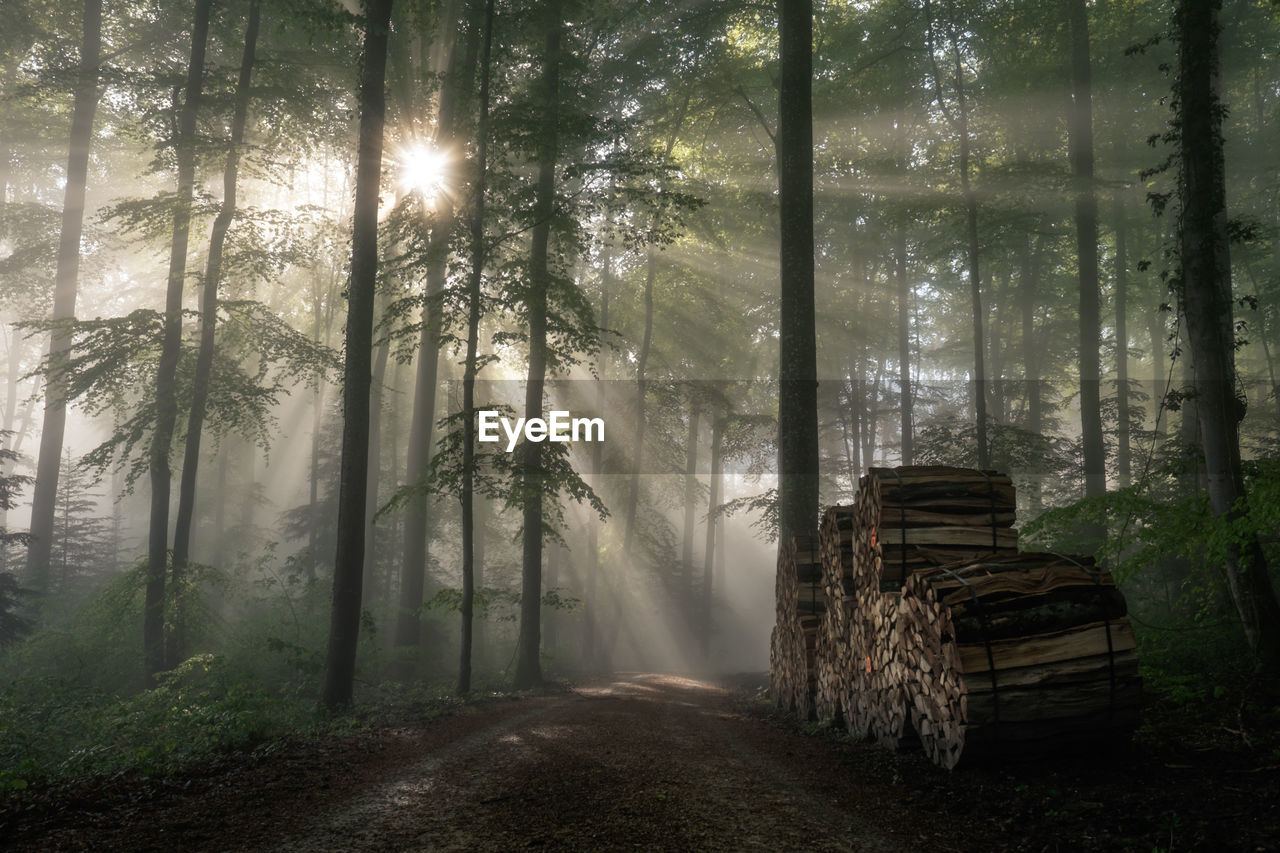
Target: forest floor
x=656, y=762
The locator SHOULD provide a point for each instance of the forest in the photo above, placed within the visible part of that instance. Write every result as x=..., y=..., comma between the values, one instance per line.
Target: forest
x=369, y=365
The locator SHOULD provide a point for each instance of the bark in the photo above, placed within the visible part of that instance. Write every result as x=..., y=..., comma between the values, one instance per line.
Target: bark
x=528, y=667
x=904, y=343
x=66, y=277
x=175, y=643
x=690, y=492
x=474, y=282
x=975, y=278
x=637, y=446
x=348, y=563
x=171, y=345
x=413, y=571
x=1080, y=144
x=592, y=650
x=1207, y=306
x=373, y=478
x=1124, y=464
x=708, y=557
x=797, y=342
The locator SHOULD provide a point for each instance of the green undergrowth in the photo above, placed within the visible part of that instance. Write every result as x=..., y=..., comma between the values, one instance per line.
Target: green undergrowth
x=72, y=708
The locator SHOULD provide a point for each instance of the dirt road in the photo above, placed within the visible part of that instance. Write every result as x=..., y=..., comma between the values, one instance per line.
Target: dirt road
x=653, y=762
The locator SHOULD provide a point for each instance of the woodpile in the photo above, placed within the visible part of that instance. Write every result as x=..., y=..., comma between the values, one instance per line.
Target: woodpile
x=835, y=656
x=1024, y=654
x=793, y=646
x=925, y=613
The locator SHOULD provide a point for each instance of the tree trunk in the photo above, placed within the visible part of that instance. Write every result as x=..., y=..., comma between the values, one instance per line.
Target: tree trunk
x=708, y=556
x=975, y=279
x=413, y=572
x=690, y=494
x=474, y=282
x=1080, y=143
x=1207, y=306
x=175, y=647
x=797, y=342
x=904, y=343
x=66, y=277
x=171, y=346
x=373, y=477
x=528, y=667
x=637, y=446
x=1124, y=464
x=593, y=652
x=348, y=563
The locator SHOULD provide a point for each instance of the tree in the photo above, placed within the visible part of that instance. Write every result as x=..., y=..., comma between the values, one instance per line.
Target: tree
x=175, y=646
x=1205, y=290
x=528, y=666
x=471, y=366
x=166, y=399
x=797, y=343
x=348, y=562
x=1080, y=127
x=44, y=501
x=415, y=556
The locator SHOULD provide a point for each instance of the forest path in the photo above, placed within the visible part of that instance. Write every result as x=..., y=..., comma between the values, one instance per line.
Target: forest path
x=659, y=762
x=643, y=761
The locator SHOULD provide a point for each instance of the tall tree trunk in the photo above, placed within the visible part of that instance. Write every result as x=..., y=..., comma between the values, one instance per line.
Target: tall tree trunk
x=474, y=282
x=708, y=556
x=1080, y=143
x=637, y=447
x=348, y=563
x=904, y=343
x=175, y=647
x=1124, y=464
x=171, y=347
x=413, y=571
x=975, y=278
x=690, y=493
x=528, y=667
x=373, y=478
x=797, y=341
x=593, y=651
x=66, y=277
x=1207, y=306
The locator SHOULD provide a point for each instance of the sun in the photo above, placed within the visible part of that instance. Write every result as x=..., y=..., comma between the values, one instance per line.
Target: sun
x=422, y=170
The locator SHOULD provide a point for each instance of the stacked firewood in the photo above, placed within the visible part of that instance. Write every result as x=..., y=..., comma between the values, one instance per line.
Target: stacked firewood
x=922, y=516
x=835, y=655
x=793, y=646
x=928, y=614
x=1022, y=654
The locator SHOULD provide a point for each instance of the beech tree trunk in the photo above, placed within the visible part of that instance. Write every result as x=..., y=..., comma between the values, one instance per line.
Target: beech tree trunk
x=1207, y=306
x=528, y=666
x=171, y=345
x=690, y=492
x=65, y=282
x=413, y=571
x=348, y=563
x=975, y=278
x=797, y=341
x=1123, y=451
x=708, y=557
x=175, y=646
x=474, y=281
x=1080, y=143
